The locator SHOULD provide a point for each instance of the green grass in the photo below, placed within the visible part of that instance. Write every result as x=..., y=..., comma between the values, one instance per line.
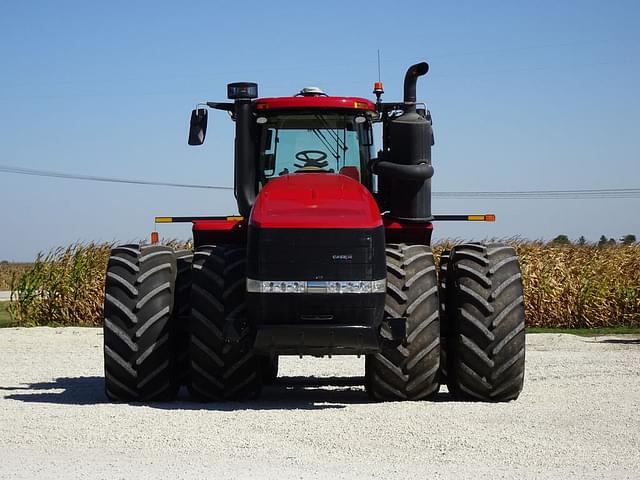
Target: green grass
x=588, y=332
x=5, y=318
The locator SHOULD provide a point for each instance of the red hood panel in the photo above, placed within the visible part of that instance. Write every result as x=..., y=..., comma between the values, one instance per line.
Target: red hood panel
x=315, y=200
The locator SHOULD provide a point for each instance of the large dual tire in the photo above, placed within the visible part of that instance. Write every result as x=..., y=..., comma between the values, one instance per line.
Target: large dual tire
x=138, y=309
x=485, y=315
x=223, y=364
x=408, y=371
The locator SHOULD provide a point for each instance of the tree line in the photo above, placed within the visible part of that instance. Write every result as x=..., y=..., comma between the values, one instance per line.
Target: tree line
x=628, y=239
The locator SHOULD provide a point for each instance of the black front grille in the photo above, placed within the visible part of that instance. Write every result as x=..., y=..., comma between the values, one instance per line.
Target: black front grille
x=316, y=254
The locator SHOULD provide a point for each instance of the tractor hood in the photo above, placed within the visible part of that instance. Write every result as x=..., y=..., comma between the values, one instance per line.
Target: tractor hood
x=315, y=200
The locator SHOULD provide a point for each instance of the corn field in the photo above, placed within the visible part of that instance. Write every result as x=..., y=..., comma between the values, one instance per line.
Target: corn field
x=581, y=286
x=567, y=286
x=63, y=287
x=9, y=271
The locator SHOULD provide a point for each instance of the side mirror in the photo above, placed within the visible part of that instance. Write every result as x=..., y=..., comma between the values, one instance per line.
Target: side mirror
x=198, y=126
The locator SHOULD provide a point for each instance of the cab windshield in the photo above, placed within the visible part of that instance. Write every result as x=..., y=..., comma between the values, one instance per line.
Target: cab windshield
x=314, y=142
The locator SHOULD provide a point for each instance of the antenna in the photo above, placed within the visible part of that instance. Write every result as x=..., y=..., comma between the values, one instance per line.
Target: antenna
x=378, y=89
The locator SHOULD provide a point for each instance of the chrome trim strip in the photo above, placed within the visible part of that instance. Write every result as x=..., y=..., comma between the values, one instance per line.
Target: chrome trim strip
x=315, y=286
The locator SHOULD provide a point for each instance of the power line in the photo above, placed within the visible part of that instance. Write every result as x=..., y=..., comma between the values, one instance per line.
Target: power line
x=546, y=194
x=93, y=178
x=616, y=193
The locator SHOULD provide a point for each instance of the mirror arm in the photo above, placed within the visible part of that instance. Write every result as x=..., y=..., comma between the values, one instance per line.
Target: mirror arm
x=227, y=107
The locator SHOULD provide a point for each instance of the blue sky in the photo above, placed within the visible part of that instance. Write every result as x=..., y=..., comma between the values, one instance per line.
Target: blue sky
x=524, y=95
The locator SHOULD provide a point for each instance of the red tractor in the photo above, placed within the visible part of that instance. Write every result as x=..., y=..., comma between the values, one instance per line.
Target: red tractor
x=330, y=255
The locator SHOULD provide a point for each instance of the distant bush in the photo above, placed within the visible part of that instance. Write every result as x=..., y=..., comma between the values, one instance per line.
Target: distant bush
x=568, y=286
x=561, y=240
x=629, y=239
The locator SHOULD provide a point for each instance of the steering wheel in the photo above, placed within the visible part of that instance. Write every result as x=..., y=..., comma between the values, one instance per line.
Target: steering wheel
x=312, y=160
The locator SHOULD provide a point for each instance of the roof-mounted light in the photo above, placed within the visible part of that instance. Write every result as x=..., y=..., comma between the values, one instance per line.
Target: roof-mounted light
x=242, y=90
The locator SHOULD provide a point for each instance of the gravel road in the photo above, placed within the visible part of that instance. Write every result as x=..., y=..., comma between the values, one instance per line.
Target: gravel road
x=579, y=417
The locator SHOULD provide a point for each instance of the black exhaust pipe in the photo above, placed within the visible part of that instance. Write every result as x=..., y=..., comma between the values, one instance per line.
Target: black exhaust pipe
x=410, y=80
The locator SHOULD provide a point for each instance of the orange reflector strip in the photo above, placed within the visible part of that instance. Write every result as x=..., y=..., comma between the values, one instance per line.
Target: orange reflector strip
x=154, y=238
x=482, y=218
x=236, y=218
x=360, y=105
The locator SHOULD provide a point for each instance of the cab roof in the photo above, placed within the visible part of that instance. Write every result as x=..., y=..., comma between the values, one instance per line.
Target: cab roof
x=315, y=101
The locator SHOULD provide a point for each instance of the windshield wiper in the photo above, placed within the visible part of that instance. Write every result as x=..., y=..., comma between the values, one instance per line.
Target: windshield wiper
x=339, y=144
x=326, y=143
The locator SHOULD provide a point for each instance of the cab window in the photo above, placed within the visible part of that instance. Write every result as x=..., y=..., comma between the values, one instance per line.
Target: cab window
x=314, y=142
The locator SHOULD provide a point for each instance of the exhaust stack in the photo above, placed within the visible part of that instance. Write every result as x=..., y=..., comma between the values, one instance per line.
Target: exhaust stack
x=410, y=81
x=405, y=164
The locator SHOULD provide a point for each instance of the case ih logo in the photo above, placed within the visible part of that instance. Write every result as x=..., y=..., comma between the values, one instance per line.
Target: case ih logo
x=342, y=258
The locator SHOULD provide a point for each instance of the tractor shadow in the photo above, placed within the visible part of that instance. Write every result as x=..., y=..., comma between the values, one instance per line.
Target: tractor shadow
x=287, y=393
x=62, y=391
